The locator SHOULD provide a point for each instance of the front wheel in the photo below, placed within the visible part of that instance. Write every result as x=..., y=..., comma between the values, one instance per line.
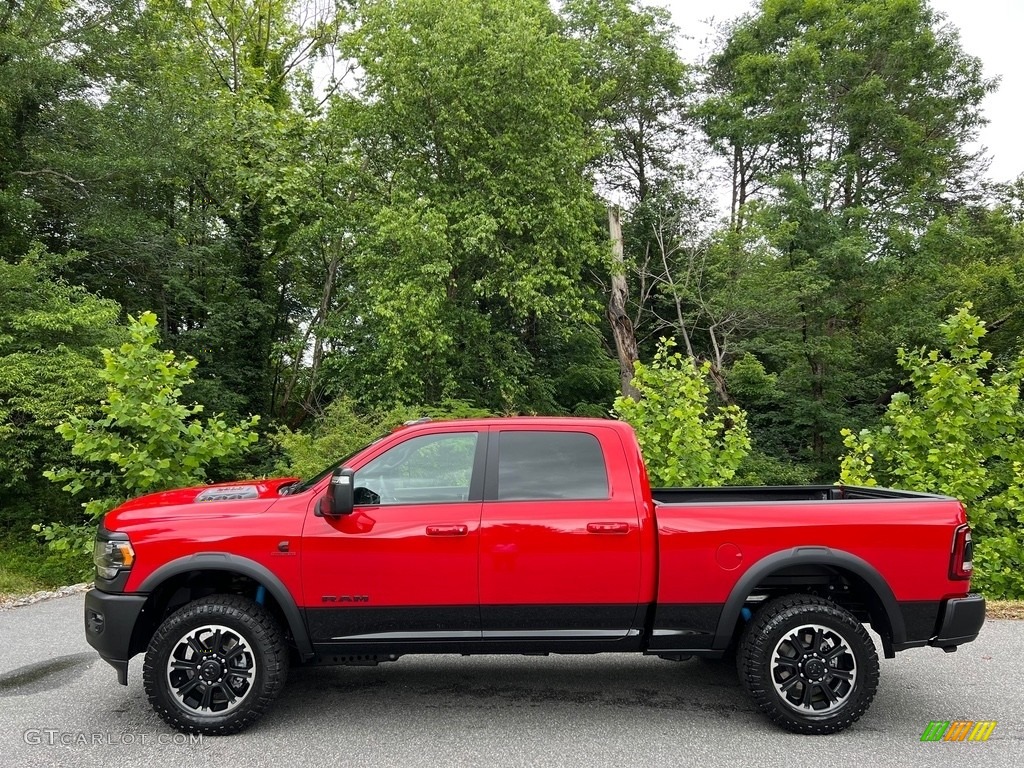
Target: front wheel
x=215, y=665
x=808, y=664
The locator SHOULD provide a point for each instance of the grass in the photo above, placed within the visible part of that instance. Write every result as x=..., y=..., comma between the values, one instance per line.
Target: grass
x=27, y=566
x=13, y=583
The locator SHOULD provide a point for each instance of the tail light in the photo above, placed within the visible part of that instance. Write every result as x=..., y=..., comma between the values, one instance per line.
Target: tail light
x=961, y=561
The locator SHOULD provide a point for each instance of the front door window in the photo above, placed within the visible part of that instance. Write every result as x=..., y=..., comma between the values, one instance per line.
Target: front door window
x=430, y=469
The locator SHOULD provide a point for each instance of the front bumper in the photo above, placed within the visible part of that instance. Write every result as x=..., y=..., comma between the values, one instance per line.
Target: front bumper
x=109, y=624
x=962, y=619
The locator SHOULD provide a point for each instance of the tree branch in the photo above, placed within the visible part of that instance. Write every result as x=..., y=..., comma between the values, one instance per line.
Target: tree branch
x=50, y=172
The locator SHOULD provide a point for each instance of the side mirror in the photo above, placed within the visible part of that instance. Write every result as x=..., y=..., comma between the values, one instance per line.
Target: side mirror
x=340, y=498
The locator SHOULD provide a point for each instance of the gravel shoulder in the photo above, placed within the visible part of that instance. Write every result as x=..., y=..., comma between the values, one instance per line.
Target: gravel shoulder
x=1005, y=609
x=8, y=602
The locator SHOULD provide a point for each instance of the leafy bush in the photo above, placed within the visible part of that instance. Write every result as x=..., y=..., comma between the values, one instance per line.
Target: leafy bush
x=145, y=440
x=959, y=431
x=760, y=468
x=685, y=441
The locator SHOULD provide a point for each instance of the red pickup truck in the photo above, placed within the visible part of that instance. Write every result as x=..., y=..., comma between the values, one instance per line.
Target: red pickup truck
x=523, y=535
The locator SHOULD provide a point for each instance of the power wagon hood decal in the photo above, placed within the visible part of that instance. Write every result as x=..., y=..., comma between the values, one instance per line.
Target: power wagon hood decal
x=208, y=494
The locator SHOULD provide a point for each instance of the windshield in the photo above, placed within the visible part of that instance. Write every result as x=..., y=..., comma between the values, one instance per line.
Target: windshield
x=304, y=485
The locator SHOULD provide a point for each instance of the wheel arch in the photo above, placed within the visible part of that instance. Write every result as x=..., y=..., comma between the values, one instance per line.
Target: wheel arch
x=165, y=580
x=882, y=606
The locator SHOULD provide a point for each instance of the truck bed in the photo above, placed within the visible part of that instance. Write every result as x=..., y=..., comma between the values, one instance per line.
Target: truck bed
x=784, y=493
x=722, y=549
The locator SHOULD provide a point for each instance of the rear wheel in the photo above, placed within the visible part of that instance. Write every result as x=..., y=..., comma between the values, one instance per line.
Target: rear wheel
x=215, y=665
x=808, y=664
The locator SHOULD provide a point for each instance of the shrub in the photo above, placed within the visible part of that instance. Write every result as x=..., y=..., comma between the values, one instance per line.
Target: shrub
x=685, y=441
x=144, y=440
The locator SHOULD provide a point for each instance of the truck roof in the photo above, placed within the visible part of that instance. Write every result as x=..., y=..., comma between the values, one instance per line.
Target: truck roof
x=537, y=421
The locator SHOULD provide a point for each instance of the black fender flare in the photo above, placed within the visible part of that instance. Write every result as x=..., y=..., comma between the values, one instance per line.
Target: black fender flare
x=225, y=561
x=808, y=556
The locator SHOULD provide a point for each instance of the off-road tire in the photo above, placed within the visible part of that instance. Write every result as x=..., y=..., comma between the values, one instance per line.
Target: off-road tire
x=821, y=645
x=232, y=640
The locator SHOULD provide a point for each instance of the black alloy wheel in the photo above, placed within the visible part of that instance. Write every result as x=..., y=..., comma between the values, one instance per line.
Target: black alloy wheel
x=808, y=664
x=215, y=665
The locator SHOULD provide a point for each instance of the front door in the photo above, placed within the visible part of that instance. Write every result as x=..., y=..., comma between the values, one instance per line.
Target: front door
x=402, y=568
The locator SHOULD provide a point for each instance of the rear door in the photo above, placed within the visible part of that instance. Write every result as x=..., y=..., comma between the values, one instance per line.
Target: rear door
x=402, y=568
x=560, y=544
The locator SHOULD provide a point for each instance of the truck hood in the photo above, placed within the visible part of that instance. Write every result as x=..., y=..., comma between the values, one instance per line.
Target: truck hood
x=246, y=490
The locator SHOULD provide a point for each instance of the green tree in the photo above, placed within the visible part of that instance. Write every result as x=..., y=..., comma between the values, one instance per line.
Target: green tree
x=847, y=124
x=642, y=91
x=48, y=54
x=957, y=431
x=686, y=441
x=974, y=253
x=186, y=172
x=825, y=93
x=321, y=201
x=640, y=87
x=480, y=218
x=145, y=439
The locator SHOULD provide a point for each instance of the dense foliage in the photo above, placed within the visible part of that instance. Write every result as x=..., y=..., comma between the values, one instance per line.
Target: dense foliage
x=352, y=213
x=51, y=337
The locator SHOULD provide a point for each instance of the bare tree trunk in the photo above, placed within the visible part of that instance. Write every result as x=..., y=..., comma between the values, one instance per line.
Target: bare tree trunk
x=659, y=235
x=622, y=326
x=718, y=366
x=734, y=207
x=312, y=330
x=318, y=344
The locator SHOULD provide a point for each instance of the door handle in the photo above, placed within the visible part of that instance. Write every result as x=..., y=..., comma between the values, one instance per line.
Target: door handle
x=607, y=527
x=447, y=530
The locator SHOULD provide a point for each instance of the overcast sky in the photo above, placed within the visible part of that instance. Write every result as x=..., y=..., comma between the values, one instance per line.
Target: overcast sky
x=989, y=29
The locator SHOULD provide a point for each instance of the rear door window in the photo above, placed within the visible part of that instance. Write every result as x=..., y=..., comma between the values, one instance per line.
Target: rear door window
x=536, y=465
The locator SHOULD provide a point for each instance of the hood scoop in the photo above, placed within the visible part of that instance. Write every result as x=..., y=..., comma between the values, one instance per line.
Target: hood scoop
x=228, y=493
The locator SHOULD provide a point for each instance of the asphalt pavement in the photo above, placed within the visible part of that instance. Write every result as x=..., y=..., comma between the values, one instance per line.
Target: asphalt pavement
x=61, y=705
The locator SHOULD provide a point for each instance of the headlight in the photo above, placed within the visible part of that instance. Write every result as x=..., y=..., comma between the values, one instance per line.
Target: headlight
x=111, y=556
